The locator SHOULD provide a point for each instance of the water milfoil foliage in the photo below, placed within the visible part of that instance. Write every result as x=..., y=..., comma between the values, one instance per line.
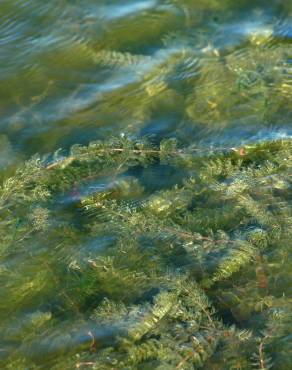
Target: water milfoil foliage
x=164, y=245
x=103, y=269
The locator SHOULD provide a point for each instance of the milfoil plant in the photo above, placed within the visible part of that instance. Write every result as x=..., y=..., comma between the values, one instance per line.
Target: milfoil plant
x=102, y=267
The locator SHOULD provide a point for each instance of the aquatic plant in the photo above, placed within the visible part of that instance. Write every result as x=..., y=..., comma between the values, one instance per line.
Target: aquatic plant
x=166, y=246
x=118, y=276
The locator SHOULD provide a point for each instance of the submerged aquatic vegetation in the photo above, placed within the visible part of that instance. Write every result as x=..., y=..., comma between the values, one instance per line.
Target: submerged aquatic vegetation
x=161, y=240
x=116, y=277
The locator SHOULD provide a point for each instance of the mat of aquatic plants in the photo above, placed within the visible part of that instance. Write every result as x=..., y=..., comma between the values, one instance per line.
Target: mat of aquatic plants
x=146, y=172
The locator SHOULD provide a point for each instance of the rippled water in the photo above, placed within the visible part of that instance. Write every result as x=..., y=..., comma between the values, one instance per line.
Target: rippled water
x=212, y=73
x=207, y=70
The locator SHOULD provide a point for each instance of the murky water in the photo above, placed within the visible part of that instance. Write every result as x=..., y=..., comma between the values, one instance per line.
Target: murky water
x=215, y=75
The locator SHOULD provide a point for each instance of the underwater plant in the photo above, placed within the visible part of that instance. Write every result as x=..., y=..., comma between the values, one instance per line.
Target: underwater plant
x=116, y=275
x=166, y=246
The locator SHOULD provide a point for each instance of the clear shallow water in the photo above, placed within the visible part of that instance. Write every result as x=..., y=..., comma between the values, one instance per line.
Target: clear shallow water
x=210, y=73
x=73, y=71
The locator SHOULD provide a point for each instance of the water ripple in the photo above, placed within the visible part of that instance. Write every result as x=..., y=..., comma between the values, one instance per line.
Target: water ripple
x=72, y=65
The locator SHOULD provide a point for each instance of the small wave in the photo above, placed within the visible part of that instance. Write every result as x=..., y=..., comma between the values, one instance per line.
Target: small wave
x=110, y=12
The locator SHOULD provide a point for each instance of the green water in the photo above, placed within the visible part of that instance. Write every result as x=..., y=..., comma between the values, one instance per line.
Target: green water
x=145, y=205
